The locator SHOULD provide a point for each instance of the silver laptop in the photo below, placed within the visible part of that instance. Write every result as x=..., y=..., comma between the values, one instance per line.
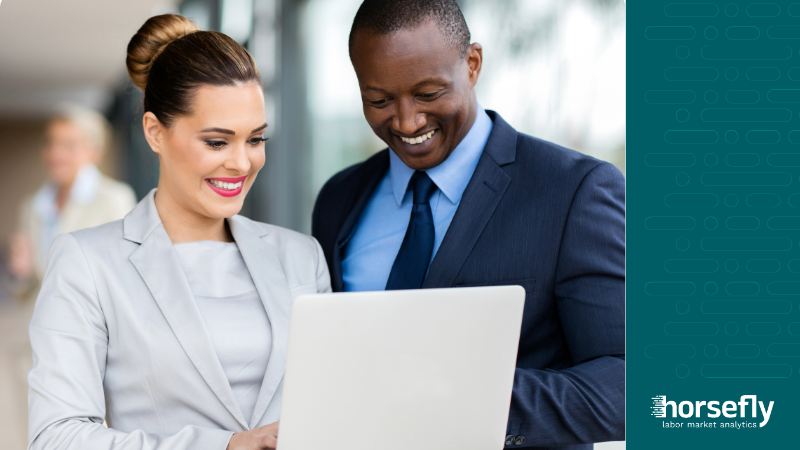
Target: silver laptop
x=400, y=370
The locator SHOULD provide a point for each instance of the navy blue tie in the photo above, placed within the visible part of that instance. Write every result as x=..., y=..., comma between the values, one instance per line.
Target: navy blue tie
x=411, y=264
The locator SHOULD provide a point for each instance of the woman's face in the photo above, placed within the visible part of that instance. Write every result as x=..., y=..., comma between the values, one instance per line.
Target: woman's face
x=210, y=158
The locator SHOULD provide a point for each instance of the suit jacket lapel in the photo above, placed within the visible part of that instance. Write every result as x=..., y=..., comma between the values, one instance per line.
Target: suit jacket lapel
x=267, y=272
x=373, y=171
x=157, y=263
x=480, y=199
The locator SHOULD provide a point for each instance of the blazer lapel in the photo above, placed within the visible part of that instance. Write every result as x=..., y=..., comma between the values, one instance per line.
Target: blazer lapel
x=157, y=263
x=267, y=273
x=480, y=199
x=374, y=170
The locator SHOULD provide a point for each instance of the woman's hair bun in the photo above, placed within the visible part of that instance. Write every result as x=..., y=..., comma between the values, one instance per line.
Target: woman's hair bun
x=151, y=39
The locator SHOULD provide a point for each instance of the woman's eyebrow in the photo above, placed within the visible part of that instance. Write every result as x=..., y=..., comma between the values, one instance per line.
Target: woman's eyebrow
x=218, y=130
x=231, y=132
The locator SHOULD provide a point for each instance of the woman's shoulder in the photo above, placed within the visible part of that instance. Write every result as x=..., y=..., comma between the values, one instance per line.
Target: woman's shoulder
x=300, y=255
x=283, y=239
x=89, y=249
x=97, y=240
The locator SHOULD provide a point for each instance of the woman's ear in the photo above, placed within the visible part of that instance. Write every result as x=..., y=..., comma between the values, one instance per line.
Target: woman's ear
x=153, y=131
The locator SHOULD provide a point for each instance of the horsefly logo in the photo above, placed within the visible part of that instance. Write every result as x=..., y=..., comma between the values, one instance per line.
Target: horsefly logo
x=748, y=407
x=659, y=406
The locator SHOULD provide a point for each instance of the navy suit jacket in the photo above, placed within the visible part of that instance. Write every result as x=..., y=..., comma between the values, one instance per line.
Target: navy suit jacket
x=553, y=221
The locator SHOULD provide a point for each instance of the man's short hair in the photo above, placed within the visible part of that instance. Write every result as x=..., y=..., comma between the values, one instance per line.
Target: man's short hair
x=92, y=123
x=383, y=17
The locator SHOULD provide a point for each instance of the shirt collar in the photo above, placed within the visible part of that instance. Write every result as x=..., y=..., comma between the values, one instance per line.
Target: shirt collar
x=83, y=190
x=454, y=173
x=85, y=186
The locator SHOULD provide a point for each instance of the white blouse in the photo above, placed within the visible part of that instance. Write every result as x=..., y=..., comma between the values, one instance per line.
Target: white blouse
x=233, y=314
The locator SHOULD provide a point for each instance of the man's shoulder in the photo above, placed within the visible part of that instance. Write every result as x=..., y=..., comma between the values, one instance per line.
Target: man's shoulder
x=542, y=164
x=350, y=177
x=542, y=169
x=554, y=161
x=114, y=192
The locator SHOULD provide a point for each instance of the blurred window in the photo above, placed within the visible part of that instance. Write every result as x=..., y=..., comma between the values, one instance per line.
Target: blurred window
x=200, y=12
x=340, y=136
x=237, y=19
x=555, y=69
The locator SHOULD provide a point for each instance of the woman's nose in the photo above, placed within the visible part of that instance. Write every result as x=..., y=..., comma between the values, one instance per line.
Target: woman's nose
x=238, y=159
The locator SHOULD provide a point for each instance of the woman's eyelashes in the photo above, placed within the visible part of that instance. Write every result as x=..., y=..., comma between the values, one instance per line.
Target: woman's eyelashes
x=219, y=145
x=216, y=145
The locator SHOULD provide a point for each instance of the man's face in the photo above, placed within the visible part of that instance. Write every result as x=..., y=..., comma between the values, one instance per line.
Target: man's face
x=417, y=91
x=66, y=150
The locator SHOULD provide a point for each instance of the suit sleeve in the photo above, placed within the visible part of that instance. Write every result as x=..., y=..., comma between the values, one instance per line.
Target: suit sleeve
x=69, y=339
x=584, y=403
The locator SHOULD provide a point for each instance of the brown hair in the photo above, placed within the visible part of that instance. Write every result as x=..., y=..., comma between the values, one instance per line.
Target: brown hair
x=169, y=58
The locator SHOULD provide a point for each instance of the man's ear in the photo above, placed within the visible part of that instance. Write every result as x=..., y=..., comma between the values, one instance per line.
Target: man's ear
x=153, y=131
x=475, y=62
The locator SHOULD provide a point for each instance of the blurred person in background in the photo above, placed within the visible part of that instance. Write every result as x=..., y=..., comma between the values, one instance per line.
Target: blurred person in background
x=172, y=323
x=460, y=198
x=75, y=196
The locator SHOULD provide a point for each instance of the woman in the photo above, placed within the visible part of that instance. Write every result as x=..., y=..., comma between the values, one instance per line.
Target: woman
x=172, y=323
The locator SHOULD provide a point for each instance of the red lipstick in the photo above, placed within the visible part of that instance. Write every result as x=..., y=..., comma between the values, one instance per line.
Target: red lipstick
x=226, y=186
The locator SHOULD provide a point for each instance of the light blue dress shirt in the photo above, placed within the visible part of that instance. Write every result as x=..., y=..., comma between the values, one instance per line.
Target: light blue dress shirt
x=372, y=249
x=84, y=190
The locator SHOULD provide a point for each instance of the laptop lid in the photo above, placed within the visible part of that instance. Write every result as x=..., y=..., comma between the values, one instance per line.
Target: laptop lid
x=391, y=370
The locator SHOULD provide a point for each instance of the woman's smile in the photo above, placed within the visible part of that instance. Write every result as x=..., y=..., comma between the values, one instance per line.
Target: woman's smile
x=226, y=187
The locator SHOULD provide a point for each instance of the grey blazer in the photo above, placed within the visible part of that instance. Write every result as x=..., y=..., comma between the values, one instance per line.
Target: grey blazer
x=116, y=335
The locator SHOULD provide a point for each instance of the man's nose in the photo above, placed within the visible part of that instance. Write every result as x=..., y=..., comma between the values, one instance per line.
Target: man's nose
x=407, y=120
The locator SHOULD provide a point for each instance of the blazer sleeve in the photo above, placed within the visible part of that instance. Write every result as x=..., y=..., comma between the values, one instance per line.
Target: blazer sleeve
x=586, y=402
x=69, y=339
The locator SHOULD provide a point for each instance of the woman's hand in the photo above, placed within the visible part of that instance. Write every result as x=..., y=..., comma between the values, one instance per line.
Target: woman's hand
x=260, y=438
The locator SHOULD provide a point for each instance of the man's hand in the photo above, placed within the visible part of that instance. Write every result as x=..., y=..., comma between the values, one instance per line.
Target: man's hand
x=20, y=256
x=261, y=438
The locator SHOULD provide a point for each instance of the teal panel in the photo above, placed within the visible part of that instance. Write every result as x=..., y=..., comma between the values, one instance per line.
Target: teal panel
x=727, y=282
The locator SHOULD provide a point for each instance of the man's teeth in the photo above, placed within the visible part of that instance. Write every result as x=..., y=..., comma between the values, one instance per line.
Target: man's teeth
x=418, y=139
x=224, y=185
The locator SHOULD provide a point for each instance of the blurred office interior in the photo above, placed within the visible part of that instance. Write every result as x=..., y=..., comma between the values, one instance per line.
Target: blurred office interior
x=554, y=69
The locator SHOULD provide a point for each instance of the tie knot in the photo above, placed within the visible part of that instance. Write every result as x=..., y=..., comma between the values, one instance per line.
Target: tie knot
x=423, y=187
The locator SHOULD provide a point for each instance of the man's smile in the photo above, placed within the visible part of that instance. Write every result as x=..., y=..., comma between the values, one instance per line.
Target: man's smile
x=418, y=139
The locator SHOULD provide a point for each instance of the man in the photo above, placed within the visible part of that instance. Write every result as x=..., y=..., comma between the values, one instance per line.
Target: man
x=76, y=195
x=461, y=199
